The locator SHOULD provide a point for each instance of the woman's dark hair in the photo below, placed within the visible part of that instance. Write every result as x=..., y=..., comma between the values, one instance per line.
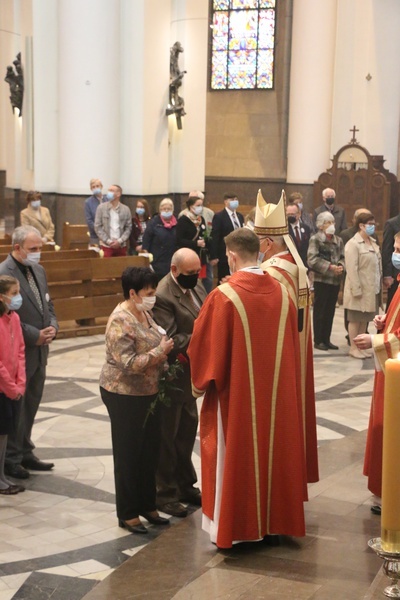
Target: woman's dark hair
x=137, y=278
x=363, y=218
x=146, y=207
x=191, y=200
x=6, y=282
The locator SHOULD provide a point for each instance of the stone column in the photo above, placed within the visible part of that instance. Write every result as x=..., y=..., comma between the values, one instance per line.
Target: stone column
x=89, y=114
x=311, y=89
x=144, y=96
x=367, y=78
x=189, y=26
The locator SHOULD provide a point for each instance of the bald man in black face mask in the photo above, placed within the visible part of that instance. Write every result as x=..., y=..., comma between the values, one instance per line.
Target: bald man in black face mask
x=179, y=298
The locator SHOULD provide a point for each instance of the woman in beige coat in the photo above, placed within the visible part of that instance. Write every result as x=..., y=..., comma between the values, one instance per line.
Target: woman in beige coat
x=38, y=216
x=363, y=284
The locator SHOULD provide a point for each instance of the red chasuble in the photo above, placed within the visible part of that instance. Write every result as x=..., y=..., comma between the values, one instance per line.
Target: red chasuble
x=386, y=345
x=283, y=268
x=243, y=356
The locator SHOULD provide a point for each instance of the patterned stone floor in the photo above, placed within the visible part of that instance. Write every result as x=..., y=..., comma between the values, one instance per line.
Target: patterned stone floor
x=60, y=538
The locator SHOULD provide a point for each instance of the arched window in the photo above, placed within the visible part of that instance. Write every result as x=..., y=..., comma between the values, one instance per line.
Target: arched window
x=242, y=45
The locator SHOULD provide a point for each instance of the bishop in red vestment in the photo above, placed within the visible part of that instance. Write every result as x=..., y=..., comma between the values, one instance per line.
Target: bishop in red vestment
x=243, y=356
x=283, y=263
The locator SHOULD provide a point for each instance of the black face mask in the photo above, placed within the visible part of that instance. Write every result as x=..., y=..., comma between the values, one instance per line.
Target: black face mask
x=329, y=201
x=187, y=281
x=292, y=219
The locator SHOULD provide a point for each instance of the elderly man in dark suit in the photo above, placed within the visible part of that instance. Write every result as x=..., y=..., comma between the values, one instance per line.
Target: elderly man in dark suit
x=329, y=204
x=39, y=327
x=179, y=298
x=223, y=223
x=299, y=232
x=392, y=226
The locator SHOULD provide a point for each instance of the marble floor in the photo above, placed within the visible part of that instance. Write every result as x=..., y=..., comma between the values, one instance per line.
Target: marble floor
x=60, y=540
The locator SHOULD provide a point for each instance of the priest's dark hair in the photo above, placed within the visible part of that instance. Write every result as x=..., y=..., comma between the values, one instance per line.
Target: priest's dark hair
x=243, y=241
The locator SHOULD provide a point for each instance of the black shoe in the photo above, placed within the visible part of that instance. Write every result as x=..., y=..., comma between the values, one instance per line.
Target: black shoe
x=34, y=464
x=192, y=497
x=376, y=510
x=321, y=346
x=132, y=528
x=332, y=346
x=16, y=471
x=348, y=340
x=176, y=509
x=272, y=540
x=155, y=520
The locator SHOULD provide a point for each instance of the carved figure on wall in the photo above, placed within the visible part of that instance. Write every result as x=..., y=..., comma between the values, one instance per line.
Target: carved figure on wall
x=176, y=103
x=15, y=80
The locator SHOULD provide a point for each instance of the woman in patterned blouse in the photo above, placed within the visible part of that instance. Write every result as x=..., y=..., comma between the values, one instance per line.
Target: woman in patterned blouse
x=136, y=351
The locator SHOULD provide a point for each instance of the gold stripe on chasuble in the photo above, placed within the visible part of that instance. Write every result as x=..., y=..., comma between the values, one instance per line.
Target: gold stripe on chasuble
x=282, y=279
x=230, y=293
x=393, y=319
x=233, y=296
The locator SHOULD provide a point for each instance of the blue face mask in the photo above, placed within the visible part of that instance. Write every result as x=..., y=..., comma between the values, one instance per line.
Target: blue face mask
x=15, y=302
x=96, y=191
x=233, y=204
x=140, y=211
x=110, y=196
x=166, y=214
x=197, y=210
x=370, y=229
x=396, y=260
x=35, y=203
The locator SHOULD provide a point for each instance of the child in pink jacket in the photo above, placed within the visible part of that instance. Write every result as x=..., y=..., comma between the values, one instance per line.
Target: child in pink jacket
x=12, y=369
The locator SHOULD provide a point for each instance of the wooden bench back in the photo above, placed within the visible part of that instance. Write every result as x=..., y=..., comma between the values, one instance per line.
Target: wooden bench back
x=6, y=240
x=75, y=236
x=88, y=288
x=58, y=256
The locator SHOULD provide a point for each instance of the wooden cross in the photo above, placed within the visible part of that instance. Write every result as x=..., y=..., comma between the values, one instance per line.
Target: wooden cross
x=353, y=139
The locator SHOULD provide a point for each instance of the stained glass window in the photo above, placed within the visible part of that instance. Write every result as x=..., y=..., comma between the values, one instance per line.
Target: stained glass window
x=243, y=38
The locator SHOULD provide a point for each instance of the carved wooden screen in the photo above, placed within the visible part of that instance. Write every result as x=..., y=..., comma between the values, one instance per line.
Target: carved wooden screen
x=356, y=183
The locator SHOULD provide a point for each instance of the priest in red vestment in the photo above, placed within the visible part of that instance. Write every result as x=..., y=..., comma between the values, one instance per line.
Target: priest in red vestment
x=385, y=344
x=283, y=262
x=243, y=353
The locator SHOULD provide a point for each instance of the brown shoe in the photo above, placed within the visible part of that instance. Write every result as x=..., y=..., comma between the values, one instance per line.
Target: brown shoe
x=176, y=509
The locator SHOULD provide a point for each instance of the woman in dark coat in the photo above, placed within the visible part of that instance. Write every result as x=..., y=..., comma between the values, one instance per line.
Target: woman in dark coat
x=139, y=224
x=160, y=238
x=191, y=231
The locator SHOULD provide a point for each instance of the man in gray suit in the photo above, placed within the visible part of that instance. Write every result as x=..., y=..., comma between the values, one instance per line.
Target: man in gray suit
x=179, y=298
x=39, y=327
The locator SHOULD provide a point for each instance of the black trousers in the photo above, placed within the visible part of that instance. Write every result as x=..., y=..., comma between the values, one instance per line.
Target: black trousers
x=135, y=452
x=325, y=298
x=19, y=442
x=176, y=475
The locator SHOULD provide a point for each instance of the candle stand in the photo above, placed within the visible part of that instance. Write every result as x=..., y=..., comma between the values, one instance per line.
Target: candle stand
x=391, y=567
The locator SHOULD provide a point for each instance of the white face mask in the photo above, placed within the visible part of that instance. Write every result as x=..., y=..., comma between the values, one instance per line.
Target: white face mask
x=32, y=258
x=330, y=230
x=147, y=303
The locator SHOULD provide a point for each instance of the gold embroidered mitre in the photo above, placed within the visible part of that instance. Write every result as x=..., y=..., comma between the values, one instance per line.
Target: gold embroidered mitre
x=271, y=220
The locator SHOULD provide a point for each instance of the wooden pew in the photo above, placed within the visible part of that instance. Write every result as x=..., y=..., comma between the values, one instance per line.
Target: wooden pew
x=75, y=236
x=86, y=291
x=58, y=256
x=6, y=240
